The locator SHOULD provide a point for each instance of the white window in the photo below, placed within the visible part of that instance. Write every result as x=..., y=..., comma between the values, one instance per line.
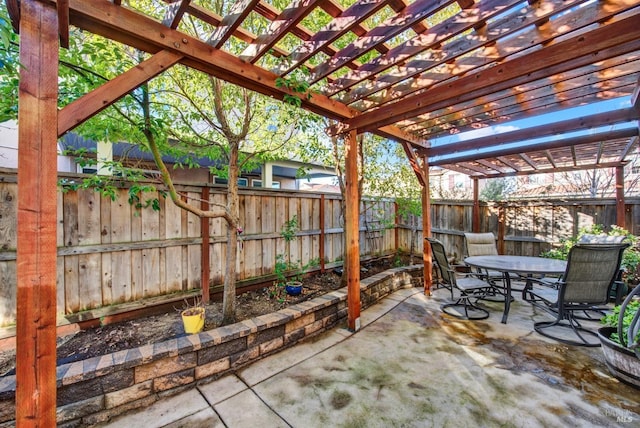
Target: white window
x=243, y=182
x=275, y=184
x=256, y=183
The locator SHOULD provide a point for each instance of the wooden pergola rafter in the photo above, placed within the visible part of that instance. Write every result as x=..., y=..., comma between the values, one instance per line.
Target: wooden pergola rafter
x=427, y=68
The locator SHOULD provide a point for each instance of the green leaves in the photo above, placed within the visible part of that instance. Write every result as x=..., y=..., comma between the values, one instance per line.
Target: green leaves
x=611, y=320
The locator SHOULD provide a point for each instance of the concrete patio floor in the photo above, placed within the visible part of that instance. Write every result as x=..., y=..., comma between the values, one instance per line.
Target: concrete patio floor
x=412, y=366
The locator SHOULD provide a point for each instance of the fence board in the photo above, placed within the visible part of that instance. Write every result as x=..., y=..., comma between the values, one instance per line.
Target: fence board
x=8, y=215
x=8, y=293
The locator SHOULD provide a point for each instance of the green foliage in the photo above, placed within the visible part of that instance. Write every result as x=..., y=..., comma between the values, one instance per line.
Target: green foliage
x=496, y=189
x=286, y=268
x=295, y=83
x=289, y=229
x=611, y=320
x=630, y=257
x=409, y=207
x=107, y=185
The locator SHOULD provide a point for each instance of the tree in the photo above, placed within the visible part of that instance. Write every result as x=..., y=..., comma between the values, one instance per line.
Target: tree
x=496, y=189
x=182, y=113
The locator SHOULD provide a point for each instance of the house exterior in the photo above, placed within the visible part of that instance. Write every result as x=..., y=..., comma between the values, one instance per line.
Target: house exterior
x=273, y=175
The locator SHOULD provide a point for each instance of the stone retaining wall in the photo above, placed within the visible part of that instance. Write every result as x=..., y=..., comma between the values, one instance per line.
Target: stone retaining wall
x=94, y=390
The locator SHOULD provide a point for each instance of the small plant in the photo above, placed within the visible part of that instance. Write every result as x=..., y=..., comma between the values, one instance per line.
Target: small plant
x=189, y=309
x=285, y=269
x=611, y=320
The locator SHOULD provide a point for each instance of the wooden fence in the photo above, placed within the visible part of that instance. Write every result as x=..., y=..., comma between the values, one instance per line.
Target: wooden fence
x=527, y=227
x=111, y=254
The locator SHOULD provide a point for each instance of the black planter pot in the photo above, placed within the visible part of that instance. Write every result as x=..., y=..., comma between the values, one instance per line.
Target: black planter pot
x=623, y=363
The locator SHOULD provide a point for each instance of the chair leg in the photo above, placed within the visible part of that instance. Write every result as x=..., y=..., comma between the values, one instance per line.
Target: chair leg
x=466, y=310
x=576, y=328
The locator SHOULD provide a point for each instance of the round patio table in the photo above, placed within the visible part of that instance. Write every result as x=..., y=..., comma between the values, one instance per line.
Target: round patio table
x=522, y=265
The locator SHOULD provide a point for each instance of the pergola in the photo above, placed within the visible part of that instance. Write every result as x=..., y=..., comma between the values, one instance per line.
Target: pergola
x=410, y=71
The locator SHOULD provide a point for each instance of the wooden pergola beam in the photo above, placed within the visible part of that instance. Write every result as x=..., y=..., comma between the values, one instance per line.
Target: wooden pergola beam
x=340, y=25
x=607, y=41
x=126, y=26
x=548, y=170
x=426, y=40
x=278, y=28
x=230, y=23
x=37, y=213
x=415, y=163
x=415, y=12
x=102, y=97
x=451, y=52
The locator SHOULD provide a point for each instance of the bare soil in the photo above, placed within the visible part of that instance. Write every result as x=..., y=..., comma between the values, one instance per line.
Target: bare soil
x=157, y=328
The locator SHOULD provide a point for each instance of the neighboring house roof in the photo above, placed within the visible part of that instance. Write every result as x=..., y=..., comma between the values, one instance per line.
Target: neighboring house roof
x=285, y=168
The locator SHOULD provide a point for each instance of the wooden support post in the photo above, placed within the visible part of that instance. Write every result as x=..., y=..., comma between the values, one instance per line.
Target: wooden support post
x=322, y=235
x=37, y=200
x=426, y=229
x=205, y=268
x=620, y=205
x=352, y=228
x=475, y=226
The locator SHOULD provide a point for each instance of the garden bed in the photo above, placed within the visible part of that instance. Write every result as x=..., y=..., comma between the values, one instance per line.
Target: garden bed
x=95, y=389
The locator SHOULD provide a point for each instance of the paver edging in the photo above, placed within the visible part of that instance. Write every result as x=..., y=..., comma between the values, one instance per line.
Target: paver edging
x=157, y=370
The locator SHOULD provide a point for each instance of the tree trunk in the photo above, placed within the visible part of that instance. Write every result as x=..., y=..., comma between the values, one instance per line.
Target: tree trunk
x=229, y=294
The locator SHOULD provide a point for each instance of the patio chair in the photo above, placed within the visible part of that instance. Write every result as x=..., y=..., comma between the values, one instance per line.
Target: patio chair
x=585, y=285
x=619, y=289
x=484, y=244
x=470, y=287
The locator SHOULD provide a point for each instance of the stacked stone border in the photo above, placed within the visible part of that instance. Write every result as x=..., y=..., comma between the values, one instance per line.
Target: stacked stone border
x=94, y=390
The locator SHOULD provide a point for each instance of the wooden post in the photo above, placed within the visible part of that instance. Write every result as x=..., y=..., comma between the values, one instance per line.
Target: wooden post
x=426, y=228
x=352, y=227
x=620, y=205
x=205, y=268
x=322, y=234
x=37, y=200
x=475, y=226
x=501, y=225
x=396, y=230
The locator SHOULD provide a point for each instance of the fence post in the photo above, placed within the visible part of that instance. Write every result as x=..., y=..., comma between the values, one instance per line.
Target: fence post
x=204, y=252
x=322, y=234
x=475, y=226
x=620, y=215
x=501, y=227
x=396, y=231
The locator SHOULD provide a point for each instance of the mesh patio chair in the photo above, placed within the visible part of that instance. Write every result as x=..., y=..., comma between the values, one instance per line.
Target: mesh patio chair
x=585, y=286
x=619, y=289
x=470, y=287
x=484, y=244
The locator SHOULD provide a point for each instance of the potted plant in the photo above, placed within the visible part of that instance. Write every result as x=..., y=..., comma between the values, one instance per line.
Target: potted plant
x=193, y=317
x=620, y=339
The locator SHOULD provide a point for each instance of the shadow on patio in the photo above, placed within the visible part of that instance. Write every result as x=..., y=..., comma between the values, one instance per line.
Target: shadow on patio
x=411, y=365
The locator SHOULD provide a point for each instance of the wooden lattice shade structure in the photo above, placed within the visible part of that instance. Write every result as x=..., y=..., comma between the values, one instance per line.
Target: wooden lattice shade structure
x=407, y=70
